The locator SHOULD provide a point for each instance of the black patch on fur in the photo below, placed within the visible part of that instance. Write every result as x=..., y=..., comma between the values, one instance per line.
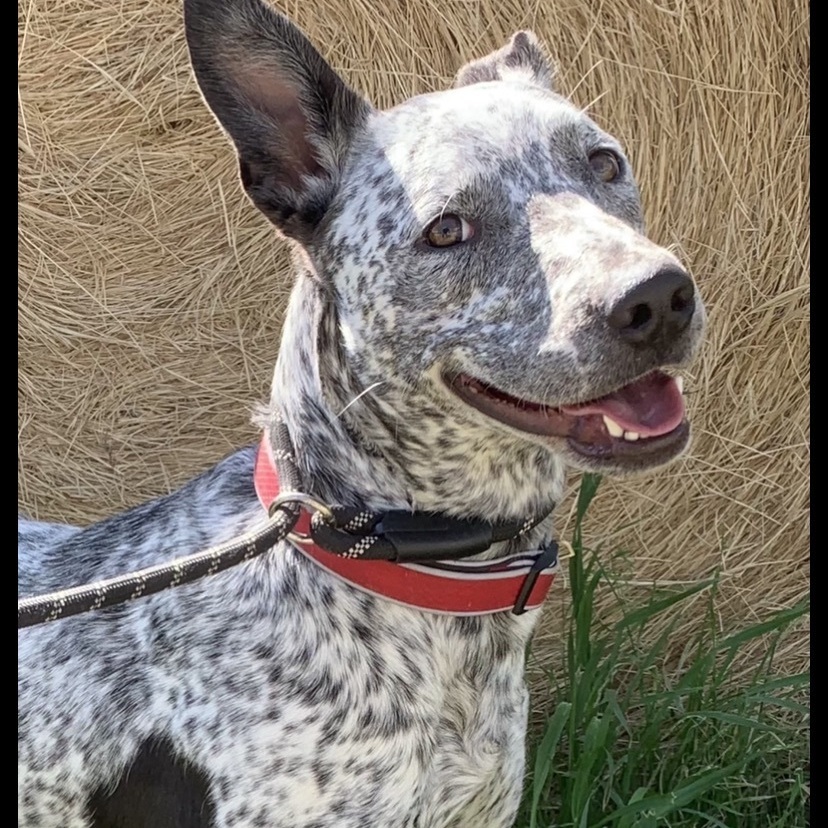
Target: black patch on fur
x=158, y=790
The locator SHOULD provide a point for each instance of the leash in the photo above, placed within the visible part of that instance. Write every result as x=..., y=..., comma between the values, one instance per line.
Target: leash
x=52, y=606
x=338, y=539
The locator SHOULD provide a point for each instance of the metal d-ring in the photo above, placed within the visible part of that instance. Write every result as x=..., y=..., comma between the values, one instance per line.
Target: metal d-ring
x=308, y=501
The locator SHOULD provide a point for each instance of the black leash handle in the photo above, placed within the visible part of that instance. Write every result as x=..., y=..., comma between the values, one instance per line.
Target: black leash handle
x=405, y=537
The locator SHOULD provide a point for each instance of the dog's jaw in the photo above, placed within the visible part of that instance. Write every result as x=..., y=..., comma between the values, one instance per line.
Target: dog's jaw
x=395, y=447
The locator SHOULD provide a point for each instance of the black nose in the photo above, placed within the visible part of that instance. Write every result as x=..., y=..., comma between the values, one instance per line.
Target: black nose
x=656, y=311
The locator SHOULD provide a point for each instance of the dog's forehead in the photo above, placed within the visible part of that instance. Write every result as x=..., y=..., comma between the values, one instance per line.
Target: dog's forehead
x=434, y=145
x=473, y=123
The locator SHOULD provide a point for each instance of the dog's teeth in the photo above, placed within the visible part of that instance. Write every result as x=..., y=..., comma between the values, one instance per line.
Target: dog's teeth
x=632, y=436
x=613, y=428
x=680, y=384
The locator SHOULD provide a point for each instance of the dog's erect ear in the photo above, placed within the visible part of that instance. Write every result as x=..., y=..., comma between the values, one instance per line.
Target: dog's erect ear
x=522, y=58
x=289, y=114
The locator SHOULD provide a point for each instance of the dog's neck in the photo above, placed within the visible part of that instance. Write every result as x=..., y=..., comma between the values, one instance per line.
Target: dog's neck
x=350, y=451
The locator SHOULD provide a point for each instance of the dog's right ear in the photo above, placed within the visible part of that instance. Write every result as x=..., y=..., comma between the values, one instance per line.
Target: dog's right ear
x=289, y=114
x=522, y=58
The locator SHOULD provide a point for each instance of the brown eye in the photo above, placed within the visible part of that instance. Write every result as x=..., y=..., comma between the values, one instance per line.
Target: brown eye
x=447, y=230
x=605, y=165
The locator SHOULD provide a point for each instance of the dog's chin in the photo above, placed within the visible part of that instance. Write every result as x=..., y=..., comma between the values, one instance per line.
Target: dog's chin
x=636, y=427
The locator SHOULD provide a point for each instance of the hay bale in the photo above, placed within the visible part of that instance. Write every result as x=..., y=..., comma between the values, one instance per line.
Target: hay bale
x=150, y=293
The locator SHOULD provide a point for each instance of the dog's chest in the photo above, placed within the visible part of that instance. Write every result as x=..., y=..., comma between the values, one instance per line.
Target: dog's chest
x=364, y=713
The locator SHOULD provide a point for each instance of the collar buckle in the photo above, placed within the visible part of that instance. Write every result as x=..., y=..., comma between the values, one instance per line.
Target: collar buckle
x=548, y=558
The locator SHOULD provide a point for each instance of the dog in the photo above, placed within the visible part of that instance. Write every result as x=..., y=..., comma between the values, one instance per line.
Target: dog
x=476, y=308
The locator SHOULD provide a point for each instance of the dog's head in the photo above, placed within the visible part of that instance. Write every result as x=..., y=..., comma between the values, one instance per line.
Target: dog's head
x=483, y=246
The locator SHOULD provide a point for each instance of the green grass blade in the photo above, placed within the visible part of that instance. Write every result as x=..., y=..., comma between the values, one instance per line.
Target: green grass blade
x=545, y=755
x=661, y=805
x=639, y=617
x=732, y=718
x=652, y=731
x=779, y=621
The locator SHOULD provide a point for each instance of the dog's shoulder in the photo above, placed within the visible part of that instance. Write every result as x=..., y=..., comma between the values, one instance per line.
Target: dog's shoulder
x=52, y=556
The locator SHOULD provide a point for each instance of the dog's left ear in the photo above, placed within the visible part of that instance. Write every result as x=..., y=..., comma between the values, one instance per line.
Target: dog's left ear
x=521, y=59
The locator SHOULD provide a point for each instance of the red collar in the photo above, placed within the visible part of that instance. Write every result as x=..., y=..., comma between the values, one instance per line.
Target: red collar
x=457, y=587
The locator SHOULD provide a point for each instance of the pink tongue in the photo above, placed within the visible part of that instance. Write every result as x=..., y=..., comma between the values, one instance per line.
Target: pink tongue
x=652, y=405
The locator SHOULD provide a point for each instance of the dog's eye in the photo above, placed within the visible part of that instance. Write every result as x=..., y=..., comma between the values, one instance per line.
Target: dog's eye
x=447, y=230
x=605, y=164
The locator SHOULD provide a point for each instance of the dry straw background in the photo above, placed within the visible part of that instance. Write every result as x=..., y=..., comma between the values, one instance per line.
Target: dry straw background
x=150, y=293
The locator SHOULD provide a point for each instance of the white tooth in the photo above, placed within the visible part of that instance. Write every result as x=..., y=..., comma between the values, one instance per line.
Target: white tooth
x=632, y=436
x=613, y=428
x=680, y=384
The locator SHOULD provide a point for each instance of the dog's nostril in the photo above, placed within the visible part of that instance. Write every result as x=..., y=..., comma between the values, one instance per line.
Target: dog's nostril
x=641, y=316
x=682, y=299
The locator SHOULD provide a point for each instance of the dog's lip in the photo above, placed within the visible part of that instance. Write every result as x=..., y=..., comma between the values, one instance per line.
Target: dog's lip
x=649, y=450
x=642, y=417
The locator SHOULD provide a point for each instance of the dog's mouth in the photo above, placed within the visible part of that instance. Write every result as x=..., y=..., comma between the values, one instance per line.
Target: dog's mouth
x=643, y=421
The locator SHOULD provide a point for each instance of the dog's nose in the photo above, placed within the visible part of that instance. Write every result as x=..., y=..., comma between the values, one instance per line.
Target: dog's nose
x=656, y=310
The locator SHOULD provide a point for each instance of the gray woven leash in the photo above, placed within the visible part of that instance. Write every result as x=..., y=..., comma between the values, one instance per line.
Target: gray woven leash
x=283, y=514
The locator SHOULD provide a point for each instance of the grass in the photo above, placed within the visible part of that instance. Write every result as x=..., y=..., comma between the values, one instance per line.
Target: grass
x=643, y=735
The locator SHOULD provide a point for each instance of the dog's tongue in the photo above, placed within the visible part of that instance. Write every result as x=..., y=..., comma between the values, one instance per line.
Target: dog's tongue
x=651, y=406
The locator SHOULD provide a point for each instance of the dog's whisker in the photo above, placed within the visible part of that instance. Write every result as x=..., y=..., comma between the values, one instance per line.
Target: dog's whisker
x=446, y=203
x=361, y=394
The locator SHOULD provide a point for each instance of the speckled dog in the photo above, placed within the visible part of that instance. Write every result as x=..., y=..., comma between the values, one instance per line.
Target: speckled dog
x=475, y=307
